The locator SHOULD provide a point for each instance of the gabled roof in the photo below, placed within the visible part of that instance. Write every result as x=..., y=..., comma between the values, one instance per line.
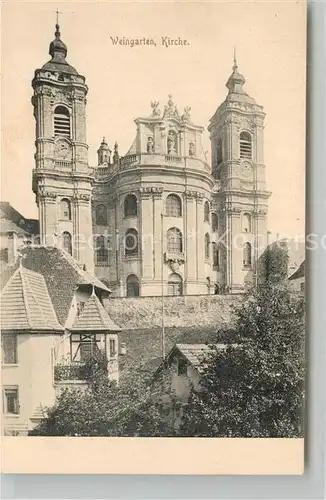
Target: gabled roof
x=7, y=226
x=196, y=352
x=62, y=276
x=94, y=318
x=9, y=213
x=299, y=273
x=26, y=304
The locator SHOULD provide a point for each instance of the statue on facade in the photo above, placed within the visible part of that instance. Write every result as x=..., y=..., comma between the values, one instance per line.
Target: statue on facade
x=155, y=109
x=116, y=156
x=191, y=149
x=170, y=110
x=171, y=143
x=150, y=145
x=186, y=115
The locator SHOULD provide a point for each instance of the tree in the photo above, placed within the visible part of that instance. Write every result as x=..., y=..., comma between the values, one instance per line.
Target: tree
x=104, y=408
x=254, y=388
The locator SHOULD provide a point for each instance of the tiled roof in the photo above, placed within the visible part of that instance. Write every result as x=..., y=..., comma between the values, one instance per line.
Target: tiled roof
x=94, y=318
x=30, y=226
x=85, y=278
x=62, y=275
x=7, y=226
x=299, y=273
x=145, y=345
x=26, y=305
x=196, y=352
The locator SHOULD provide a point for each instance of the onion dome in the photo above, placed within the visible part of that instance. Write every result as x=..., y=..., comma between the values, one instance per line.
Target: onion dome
x=57, y=47
x=235, y=84
x=58, y=51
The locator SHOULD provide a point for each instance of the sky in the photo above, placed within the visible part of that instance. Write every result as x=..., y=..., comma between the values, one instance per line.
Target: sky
x=270, y=44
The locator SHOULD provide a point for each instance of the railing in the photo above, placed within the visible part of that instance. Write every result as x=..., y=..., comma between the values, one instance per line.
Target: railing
x=69, y=371
x=130, y=159
x=174, y=256
x=133, y=161
x=101, y=171
x=172, y=158
x=63, y=164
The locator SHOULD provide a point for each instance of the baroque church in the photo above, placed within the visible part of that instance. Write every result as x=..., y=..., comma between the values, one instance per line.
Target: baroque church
x=160, y=219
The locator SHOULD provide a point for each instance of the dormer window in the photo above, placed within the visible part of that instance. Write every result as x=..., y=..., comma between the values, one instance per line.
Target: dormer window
x=61, y=122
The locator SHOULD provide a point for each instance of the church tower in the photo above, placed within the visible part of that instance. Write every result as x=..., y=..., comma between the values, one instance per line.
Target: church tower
x=239, y=197
x=62, y=179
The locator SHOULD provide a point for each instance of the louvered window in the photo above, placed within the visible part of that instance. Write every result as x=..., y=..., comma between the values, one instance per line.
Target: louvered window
x=61, y=122
x=245, y=145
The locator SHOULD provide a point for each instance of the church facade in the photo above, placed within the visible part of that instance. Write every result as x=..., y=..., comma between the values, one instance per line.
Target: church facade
x=160, y=219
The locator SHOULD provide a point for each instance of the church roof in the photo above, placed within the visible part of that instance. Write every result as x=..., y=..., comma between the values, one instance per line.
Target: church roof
x=94, y=318
x=236, y=93
x=58, y=51
x=133, y=148
x=26, y=304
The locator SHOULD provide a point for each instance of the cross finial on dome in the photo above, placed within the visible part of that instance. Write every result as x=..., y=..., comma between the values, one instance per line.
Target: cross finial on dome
x=235, y=66
x=57, y=27
x=57, y=48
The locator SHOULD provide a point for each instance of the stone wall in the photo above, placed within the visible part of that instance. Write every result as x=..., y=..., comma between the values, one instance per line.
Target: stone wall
x=187, y=311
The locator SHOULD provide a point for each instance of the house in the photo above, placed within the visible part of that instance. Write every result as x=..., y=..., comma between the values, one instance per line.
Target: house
x=297, y=279
x=179, y=373
x=52, y=320
x=15, y=231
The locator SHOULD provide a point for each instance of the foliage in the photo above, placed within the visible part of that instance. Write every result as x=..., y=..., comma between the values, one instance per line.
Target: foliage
x=273, y=264
x=95, y=366
x=254, y=388
x=68, y=371
x=105, y=408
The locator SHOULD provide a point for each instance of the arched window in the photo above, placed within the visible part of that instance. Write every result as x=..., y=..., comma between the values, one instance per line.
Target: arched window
x=132, y=283
x=246, y=223
x=101, y=215
x=214, y=222
x=65, y=209
x=61, y=121
x=207, y=244
x=215, y=251
x=174, y=240
x=247, y=254
x=102, y=251
x=208, y=285
x=206, y=211
x=245, y=145
x=131, y=243
x=173, y=206
x=67, y=242
x=175, y=284
x=130, y=205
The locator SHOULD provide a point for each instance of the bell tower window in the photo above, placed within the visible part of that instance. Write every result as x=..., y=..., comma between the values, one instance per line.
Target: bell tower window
x=61, y=122
x=245, y=145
